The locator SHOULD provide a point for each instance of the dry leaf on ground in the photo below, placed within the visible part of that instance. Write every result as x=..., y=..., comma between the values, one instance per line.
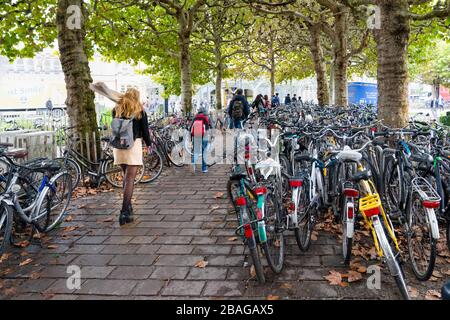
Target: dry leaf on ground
x=354, y=276
x=272, y=297
x=218, y=195
x=201, y=264
x=413, y=292
x=25, y=262
x=52, y=246
x=432, y=295
x=334, y=278
x=232, y=239
x=252, y=271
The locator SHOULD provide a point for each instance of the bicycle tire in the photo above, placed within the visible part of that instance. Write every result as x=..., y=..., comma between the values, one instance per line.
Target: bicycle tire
x=429, y=267
x=303, y=238
x=276, y=261
x=347, y=243
x=73, y=168
x=168, y=149
x=393, y=265
x=6, y=217
x=152, y=161
x=256, y=260
x=230, y=194
x=110, y=174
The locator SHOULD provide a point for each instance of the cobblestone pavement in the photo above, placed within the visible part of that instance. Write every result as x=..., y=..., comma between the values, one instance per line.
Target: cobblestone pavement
x=179, y=222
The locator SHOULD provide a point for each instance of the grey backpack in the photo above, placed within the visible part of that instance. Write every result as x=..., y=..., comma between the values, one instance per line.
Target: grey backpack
x=122, y=133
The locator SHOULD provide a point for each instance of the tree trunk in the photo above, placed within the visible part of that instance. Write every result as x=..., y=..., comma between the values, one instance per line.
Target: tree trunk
x=319, y=65
x=219, y=75
x=186, y=74
x=75, y=65
x=332, y=83
x=392, y=74
x=340, y=58
x=272, y=82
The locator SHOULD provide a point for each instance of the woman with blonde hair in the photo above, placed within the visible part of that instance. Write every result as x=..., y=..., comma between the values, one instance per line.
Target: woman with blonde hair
x=130, y=107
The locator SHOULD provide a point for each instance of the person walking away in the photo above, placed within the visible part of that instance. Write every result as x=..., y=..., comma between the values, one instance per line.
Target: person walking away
x=49, y=106
x=294, y=99
x=199, y=134
x=238, y=110
x=287, y=100
x=275, y=100
x=258, y=104
x=127, y=150
x=267, y=104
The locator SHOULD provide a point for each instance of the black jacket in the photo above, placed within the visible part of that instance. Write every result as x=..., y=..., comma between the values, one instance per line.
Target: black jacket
x=244, y=102
x=140, y=128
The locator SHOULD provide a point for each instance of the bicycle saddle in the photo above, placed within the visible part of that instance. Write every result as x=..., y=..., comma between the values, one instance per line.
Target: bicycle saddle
x=303, y=157
x=45, y=166
x=16, y=153
x=349, y=155
x=362, y=175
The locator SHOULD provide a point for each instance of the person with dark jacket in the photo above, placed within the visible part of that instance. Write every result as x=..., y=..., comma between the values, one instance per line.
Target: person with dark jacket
x=199, y=130
x=287, y=100
x=236, y=121
x=294, y=98
x=129, y=107
x=275, y=100
x=258, y=104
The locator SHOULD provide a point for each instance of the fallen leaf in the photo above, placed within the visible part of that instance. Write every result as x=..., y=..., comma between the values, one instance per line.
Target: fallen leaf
x=25, y=262
x=286, y=285
x=69, y=218
x=5, y=257
x=201, y=264
x=108, y=219
x=218, y=195
x=52, y=246
x=215, y=208
x=314, y=235
x=432, y=295
x=413, y=292
x=434, y=279
x=69, y=228
x=23, y=244
x=437, y=274
x=334, y=278
x=24, y=253
x=354, y=276
x=447, y=272
x=252, y=271
x=272, y=297
x=232, y=239
x=35, y=275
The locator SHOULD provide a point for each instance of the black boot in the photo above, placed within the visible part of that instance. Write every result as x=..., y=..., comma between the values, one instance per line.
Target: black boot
x=125, y=217
x=130, y=208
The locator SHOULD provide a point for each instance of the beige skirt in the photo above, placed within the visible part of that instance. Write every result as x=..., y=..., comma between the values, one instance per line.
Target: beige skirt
x=132, y=157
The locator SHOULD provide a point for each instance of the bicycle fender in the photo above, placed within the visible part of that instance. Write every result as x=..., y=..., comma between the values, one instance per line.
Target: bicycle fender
x=433, y=223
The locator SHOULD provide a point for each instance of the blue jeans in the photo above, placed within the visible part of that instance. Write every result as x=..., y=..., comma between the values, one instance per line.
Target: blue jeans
x=199, y=146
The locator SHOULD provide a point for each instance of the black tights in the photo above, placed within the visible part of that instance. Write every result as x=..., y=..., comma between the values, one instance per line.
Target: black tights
x=129, y=173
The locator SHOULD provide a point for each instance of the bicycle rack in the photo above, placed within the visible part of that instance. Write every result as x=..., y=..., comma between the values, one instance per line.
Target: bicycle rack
x=425, y=190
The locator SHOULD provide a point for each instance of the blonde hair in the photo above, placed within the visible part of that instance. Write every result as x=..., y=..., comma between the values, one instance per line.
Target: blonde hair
x=129, y=105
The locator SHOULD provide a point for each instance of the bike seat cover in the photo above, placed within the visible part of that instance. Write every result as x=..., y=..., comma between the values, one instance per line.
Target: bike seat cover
x=349, y=155
x=238, y=176
x=45, y=166
x=16, y=153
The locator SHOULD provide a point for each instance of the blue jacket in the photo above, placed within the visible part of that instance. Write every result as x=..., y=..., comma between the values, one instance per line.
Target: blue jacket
x=275, y=101
x=244, y=103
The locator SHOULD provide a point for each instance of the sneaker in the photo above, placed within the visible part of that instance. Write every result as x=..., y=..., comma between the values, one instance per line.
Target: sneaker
x=205, y=171
x=193, y=168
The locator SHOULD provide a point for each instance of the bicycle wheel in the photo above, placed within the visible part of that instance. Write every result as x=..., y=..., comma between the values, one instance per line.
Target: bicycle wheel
x=6, y=216
x=274, y=247
x=232, y=193
x=175, y=153
x=347, y=242
x=305, y=224
x=254, y=253
x=114, y=175
x=153, y=164
x=303, y=232
x=73, y=168
x=421, y=244
x=391, y=260
x=53, y=202
x=393, y=185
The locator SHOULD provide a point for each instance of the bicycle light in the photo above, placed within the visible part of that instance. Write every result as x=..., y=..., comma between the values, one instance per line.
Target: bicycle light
x=430, y=204
x=295, y=183
x=241, y=201
x=15, y=188
x=351, y=192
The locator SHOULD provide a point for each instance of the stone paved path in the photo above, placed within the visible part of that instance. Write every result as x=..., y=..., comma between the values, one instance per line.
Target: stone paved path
x=179, y=222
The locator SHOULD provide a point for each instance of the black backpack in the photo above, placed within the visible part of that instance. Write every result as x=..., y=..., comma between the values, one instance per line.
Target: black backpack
x=237, y=110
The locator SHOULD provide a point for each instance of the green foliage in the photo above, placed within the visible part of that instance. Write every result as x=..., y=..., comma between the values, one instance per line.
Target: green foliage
x=26, y=27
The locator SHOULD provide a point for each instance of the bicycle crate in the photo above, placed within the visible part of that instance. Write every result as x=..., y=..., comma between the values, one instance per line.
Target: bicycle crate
x=425, y=190
x=369, y=202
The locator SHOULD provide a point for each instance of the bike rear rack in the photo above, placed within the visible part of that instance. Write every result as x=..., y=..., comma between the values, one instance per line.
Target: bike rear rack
x=425, y=190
